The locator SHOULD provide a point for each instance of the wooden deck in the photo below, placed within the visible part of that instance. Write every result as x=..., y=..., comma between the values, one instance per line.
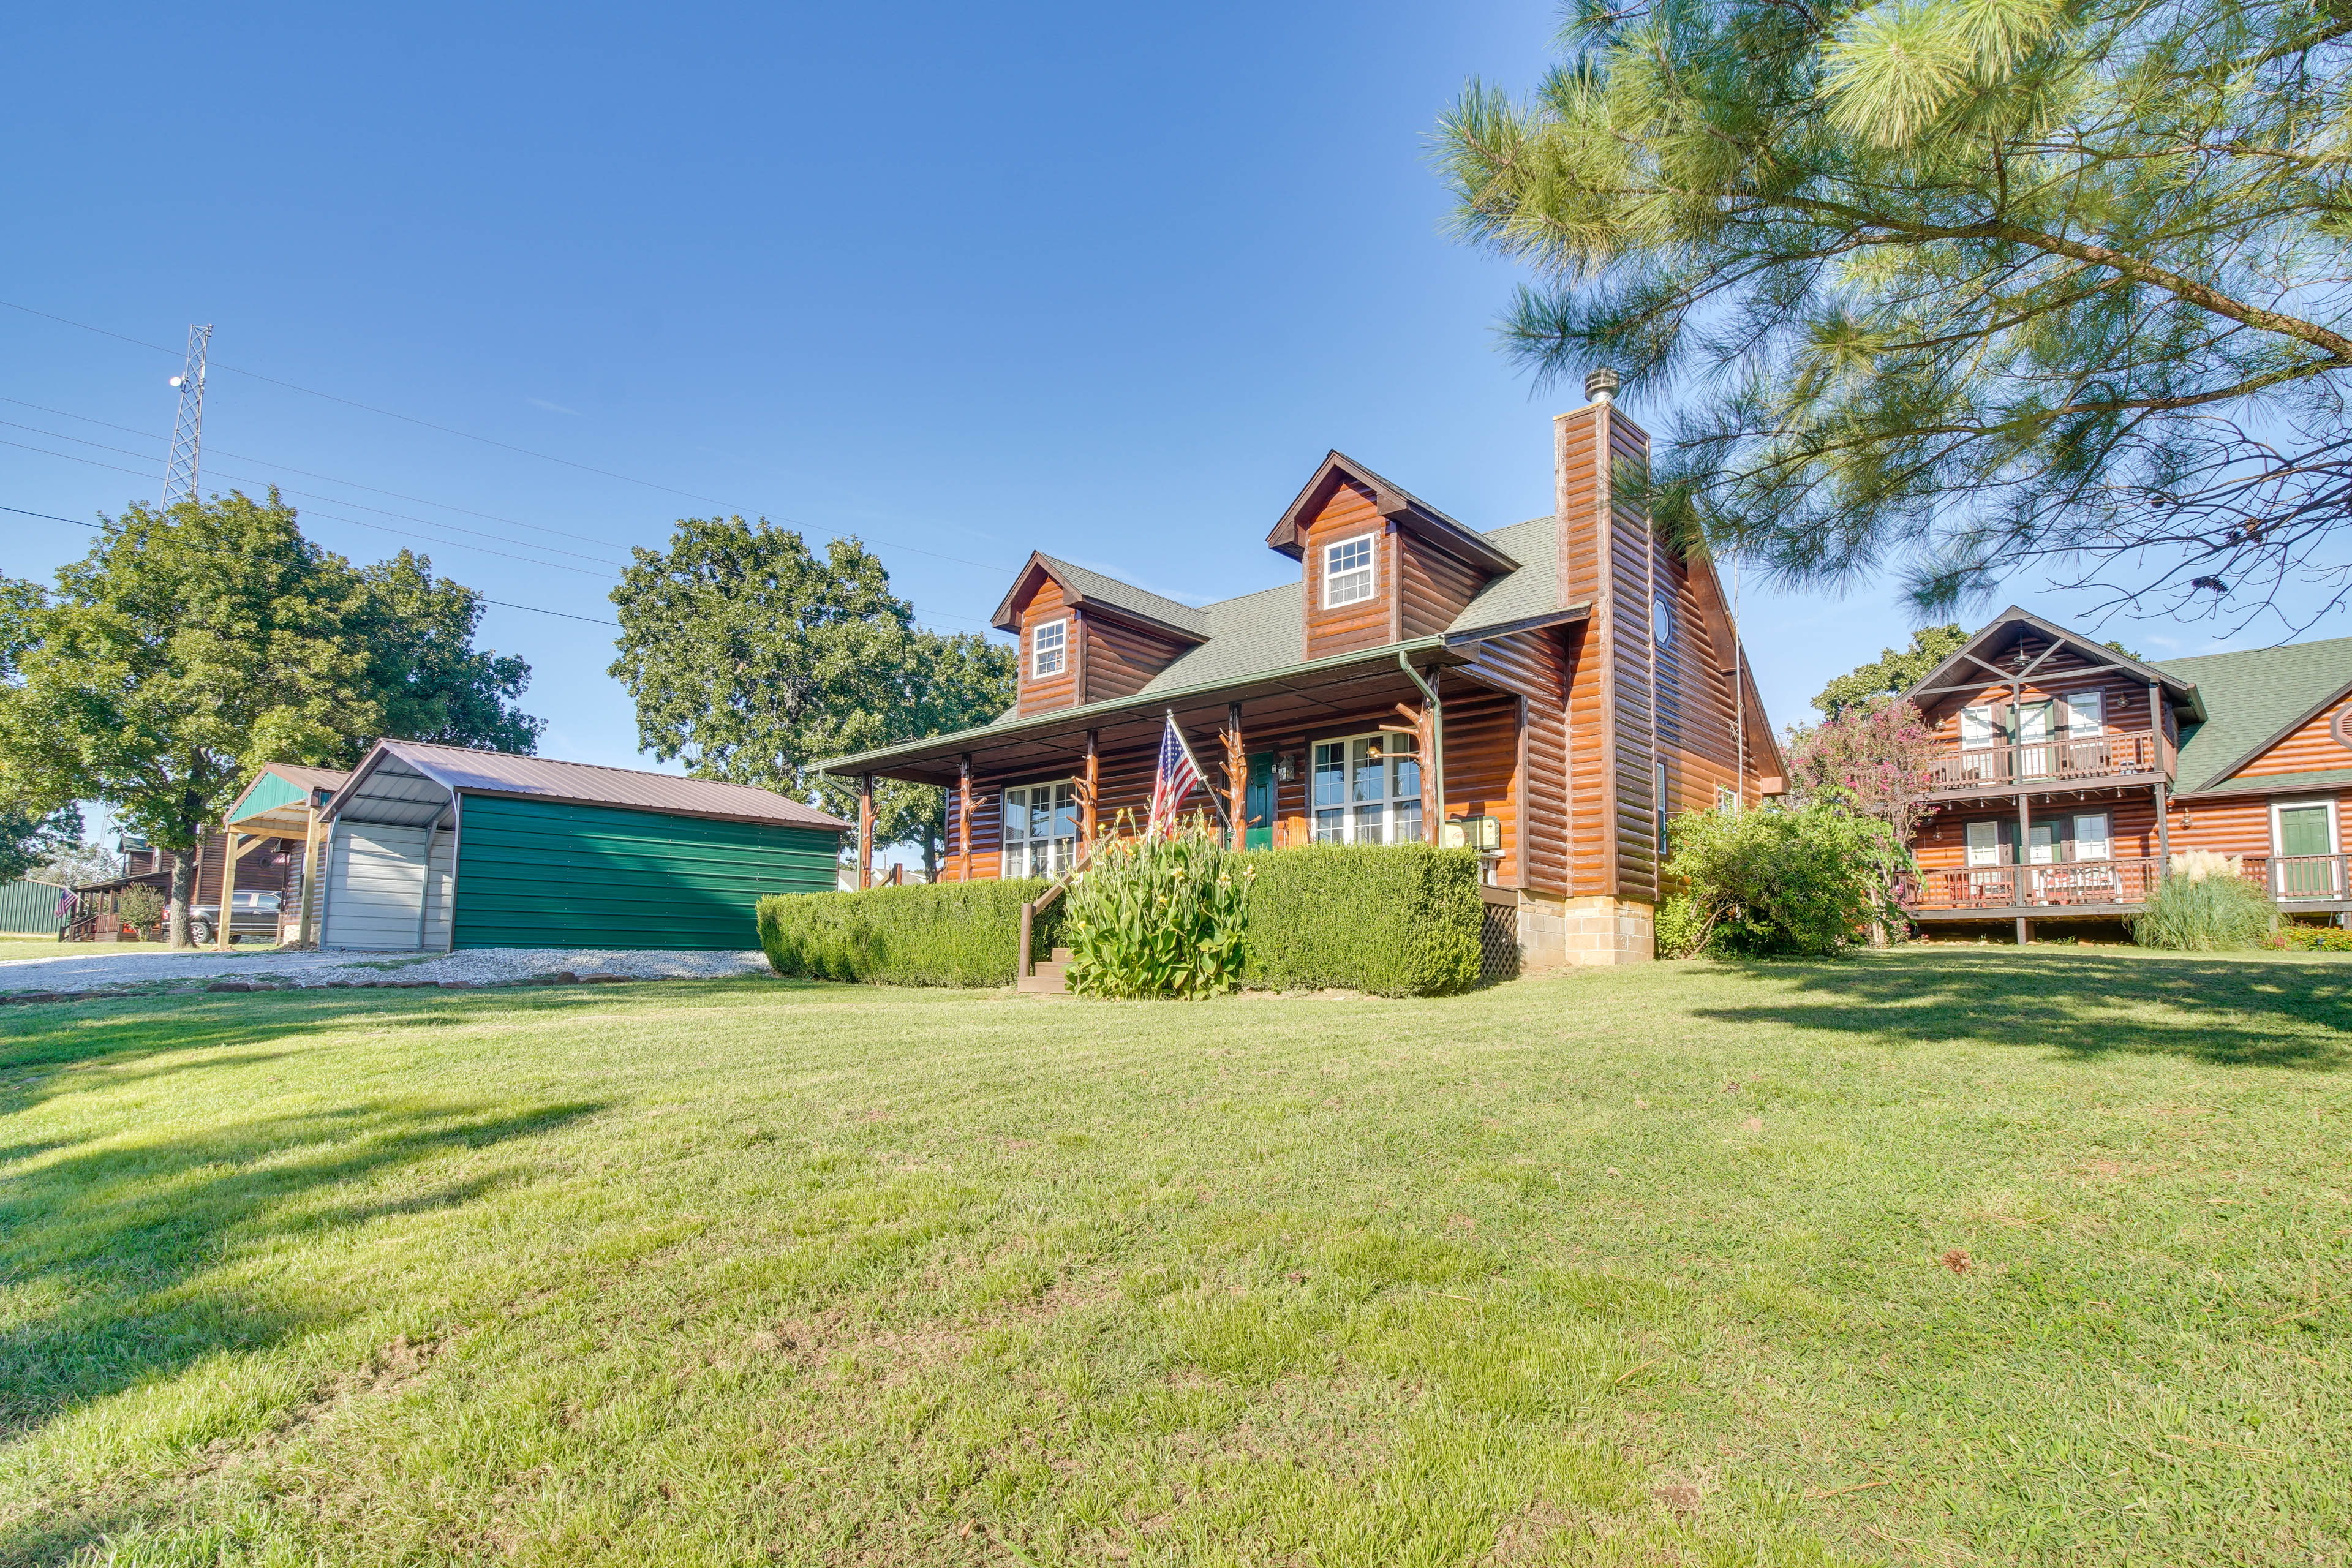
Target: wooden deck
x=2091, y=760
x=2315, y=884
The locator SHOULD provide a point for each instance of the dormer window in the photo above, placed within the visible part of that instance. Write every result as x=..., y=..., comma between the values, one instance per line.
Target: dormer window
x=1048, y=644
x=1348, y=572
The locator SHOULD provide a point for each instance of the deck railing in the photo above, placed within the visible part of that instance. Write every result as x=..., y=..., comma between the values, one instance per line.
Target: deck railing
x=2289, y=879
x=2057, y=761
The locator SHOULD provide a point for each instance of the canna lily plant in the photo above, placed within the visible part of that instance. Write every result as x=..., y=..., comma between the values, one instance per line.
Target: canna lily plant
x=1158, y=916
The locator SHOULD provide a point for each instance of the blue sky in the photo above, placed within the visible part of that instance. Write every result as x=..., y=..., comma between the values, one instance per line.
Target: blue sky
x=964, y=281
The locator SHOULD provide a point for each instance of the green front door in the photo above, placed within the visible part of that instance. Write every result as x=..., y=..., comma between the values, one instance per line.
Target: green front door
x=2303, y=830
x=1258, y=826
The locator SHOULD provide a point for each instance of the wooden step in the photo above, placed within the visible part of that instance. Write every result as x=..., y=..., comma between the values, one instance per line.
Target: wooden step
x=1061, y=956
x=1049, y=980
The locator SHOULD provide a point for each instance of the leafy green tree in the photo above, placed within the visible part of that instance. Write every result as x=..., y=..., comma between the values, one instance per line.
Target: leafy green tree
x=191, y=647
x=1891, y=672
x=1806, y=882
x=1956, y=285
x=424, y=673
x=33, y=824
x=751, y=658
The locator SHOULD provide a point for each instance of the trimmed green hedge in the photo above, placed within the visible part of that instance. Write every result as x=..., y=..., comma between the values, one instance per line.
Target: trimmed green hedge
x=1396, y=920
x=946, y=933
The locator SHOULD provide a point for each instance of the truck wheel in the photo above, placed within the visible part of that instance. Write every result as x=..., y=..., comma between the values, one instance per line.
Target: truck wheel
x=200, y=931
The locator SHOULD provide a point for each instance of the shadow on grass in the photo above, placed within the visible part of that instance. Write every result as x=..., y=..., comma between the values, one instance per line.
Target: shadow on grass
x=109, y=1246
x=2229, y=1012
x=44, y=1045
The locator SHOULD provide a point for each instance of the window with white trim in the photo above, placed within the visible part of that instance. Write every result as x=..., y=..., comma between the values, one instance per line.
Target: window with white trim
x=1976, y=727
x=1984, y=843
x=1366, y=790
x=2304, y=846
x=1041, y=828
x=1048, y=649
x=2091, y=841
x=2087, y=713
x=1348, y=572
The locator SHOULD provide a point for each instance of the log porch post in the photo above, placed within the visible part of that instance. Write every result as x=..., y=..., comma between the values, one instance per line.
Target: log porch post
x=963, y=815
x=1237, y=775
x=864, y=831
x=232, y=850
x=2163, y=808
x=304, y=932
x=1088, y=819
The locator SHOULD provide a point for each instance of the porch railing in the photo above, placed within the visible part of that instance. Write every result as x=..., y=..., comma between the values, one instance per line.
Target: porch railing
x=2289, y=879
x=2057, y=761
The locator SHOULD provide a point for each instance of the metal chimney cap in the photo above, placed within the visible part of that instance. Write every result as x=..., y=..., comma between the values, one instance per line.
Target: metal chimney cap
x=1601, y=384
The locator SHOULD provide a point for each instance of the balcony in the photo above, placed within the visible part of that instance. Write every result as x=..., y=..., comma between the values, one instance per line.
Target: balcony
x=2062, y=764
x=2298, y=883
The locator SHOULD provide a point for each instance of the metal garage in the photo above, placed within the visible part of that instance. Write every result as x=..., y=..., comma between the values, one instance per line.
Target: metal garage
x=432, y=847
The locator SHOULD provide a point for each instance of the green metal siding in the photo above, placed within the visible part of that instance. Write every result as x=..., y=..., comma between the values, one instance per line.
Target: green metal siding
x=28, y=906
x=537, y=873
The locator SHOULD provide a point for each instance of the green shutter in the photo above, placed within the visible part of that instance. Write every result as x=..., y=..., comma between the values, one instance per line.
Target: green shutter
x=538, y=873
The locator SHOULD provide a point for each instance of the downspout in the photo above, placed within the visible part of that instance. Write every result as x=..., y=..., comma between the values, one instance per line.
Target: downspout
x=1431, y=832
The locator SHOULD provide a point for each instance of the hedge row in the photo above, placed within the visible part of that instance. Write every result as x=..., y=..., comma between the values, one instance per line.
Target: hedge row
x=1396, y=920
x=948, y=933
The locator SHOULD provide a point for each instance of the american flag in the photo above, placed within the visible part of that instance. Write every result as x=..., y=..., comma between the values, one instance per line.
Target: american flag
x=1176, y=777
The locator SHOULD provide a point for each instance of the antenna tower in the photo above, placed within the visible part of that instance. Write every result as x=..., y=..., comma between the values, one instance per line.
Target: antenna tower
x=187, y=432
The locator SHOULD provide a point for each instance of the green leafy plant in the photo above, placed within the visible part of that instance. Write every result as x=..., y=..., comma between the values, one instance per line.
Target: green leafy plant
x=1680, y=930
x=1158, y=917
x=2312, y=938
x=2205, y=914
x=1392, y=919
x=950, y=933
x=1800, y=883
x=139, y=906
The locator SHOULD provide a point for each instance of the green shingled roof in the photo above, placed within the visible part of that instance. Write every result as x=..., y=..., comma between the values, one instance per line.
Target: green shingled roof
x=2249, y=698
x=1127, y=596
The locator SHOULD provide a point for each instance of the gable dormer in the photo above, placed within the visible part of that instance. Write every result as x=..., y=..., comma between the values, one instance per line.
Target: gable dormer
x=1379, y=563
x=1085, y=638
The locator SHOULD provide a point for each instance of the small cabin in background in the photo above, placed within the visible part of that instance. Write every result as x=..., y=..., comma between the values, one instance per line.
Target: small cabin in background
x=2069, y=774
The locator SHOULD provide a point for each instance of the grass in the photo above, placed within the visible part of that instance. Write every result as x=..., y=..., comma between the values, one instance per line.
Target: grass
x=1942, y=1256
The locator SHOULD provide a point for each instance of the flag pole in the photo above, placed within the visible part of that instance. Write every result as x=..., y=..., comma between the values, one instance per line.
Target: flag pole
x=1223, y=820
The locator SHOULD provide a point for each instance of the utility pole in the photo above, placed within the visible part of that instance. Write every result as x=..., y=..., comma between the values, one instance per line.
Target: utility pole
x=187, y=432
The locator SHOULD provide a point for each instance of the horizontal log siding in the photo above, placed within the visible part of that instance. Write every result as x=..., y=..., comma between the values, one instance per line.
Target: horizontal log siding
x=2309, y=749
x=1942, y=845
x=1482, y=757
x=2125, y=707
x=2242, y=825
x=1047, y=604
x=1121, y=660
x=1583, y=524
x=987, y=838
x=1530, y=667
x=1367, y=622
x=1433, y=587
x=1698, y=713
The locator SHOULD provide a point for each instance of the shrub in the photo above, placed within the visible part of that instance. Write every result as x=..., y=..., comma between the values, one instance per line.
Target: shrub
x=1774, y=881
x=949, y=933
x=1158, y=917
x=1679, y=928
x=1394, y=919
x=2312, y=939
x=2191, y=913
x=141, y=906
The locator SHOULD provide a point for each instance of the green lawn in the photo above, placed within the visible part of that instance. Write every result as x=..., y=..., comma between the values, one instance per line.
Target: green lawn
x=1939, y=1256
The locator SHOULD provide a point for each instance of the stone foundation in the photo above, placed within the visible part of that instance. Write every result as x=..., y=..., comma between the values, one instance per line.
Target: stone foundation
x=1555, y=932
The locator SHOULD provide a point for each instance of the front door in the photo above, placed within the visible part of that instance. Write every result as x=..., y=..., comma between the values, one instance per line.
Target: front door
x=2303, y=831
x=1257, y=804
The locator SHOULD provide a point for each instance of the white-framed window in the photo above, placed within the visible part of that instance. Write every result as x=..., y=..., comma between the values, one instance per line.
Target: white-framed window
x=2087, y=713
x=2303, y=838
x=1366, y=790
x=1662, y=620
x=1658, y=806
x=2041, y=844
x=1976, y=727
x=1984, y=843
x=1348, y=572
x=1041, y=828
x=2091, y=841
x=1048, y=647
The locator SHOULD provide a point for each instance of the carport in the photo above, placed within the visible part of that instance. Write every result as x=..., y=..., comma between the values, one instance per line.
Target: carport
x=433, y=847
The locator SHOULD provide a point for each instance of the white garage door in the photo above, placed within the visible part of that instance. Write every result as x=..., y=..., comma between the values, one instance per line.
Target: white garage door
x=376, y=887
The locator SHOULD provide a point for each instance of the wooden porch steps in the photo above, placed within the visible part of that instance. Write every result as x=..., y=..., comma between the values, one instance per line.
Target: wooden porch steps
x=1051, y=979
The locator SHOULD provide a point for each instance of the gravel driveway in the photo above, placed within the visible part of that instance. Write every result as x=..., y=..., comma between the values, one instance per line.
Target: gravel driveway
x=89, y=968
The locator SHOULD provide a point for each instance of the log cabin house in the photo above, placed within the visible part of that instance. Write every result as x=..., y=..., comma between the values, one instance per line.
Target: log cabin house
x=1547, y=693
x=2069, y=774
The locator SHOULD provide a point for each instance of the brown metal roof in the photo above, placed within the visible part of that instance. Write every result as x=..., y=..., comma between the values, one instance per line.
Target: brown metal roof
x=504, y=773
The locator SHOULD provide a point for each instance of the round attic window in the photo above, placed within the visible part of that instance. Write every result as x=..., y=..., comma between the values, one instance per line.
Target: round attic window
x=1662, y=620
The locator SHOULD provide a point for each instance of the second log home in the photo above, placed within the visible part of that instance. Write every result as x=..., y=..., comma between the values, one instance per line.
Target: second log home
x=2070, y=775
x=1549, y=694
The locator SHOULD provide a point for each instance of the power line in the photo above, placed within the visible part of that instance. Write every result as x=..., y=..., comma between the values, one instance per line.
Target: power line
x=485, y=440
